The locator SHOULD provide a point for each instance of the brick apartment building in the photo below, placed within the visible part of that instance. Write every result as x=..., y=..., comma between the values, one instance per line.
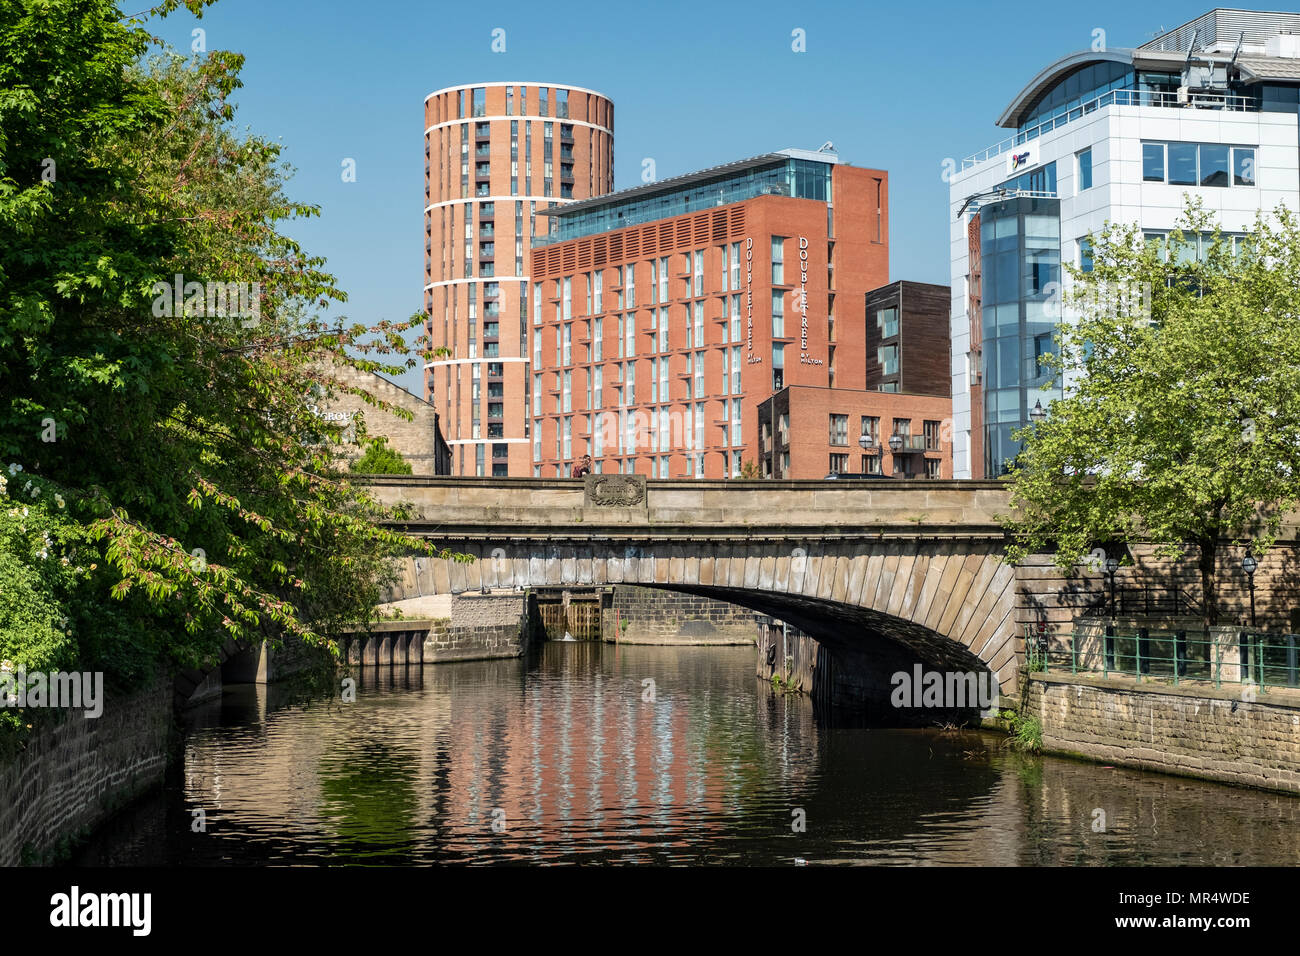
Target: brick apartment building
x=900, y=425
x=496, y=156
x=661, y=316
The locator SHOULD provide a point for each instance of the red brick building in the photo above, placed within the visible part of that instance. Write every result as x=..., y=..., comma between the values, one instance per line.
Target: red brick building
x=810, y=432
x=663, y=315
x=496, y=157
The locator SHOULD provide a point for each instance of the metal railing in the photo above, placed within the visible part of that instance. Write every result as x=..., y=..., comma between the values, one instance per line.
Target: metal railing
x=1241, y=657
x=1220, y=101
x=1134, y=600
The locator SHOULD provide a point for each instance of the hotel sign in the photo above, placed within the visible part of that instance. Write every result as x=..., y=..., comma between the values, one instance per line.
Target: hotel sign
x=750, y=358
x=799, y=300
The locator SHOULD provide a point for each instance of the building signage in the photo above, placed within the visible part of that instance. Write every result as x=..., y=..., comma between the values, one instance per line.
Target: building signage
x=799, y=300
x=1022, y=157
x=750, y=358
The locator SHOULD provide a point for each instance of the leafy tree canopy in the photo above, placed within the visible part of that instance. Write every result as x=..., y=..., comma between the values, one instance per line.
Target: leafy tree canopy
x=1180, y=423
x=159, y=353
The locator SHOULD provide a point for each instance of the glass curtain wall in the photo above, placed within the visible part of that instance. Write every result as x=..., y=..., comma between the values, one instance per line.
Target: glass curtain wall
x=1020, y=244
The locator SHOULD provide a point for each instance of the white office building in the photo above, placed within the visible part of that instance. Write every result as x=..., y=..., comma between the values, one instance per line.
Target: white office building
x=1119, y=135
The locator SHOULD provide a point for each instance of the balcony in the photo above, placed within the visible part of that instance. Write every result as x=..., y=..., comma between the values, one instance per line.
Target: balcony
x=1210, y=101
x=912, y=444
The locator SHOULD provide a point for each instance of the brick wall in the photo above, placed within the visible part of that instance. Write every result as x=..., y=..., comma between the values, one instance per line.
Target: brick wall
x=74, y=773
x=1197, y=733
x=655, y=616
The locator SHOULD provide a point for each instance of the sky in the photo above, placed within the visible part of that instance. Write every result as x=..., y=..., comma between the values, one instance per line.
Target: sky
x=899, y=86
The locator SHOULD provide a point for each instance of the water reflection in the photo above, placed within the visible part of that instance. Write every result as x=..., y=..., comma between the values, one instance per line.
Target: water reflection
x=642, y=754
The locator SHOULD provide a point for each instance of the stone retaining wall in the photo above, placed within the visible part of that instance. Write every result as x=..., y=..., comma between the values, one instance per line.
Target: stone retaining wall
x=481, y=627
x=658, y=616
x=1195, y=732
x=75, y=772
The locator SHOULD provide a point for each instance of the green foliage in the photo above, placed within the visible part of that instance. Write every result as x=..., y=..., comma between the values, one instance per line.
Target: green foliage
x=1181, y=425
x=1026, y=732
x=199, y=489
x=379, y=459
x=749, y=469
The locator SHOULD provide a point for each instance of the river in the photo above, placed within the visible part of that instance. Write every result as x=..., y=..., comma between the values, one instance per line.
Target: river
x=624, y=754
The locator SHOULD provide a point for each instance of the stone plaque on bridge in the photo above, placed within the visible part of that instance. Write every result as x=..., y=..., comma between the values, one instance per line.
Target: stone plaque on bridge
x=614, y=491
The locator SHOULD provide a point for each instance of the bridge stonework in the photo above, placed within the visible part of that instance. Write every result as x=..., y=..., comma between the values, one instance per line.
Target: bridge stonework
x=919, y=564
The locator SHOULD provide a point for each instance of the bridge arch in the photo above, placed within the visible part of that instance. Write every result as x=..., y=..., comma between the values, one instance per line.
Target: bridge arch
x=950, y=602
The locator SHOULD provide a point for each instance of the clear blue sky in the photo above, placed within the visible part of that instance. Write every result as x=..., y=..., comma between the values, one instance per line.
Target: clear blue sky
x=899, y=86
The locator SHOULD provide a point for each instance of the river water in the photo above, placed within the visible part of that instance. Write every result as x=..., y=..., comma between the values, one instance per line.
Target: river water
x=586, y=752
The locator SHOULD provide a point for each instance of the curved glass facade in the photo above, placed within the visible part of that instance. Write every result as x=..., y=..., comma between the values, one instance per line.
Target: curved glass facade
x=1084, y=84
x=1020, y=250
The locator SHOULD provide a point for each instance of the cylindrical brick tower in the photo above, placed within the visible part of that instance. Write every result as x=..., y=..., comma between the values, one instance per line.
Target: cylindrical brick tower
x=495, y=154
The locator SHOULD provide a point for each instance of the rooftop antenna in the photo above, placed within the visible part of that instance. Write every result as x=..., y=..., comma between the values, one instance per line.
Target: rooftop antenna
x=1191, y=48
x=1237, y=49
x=826, y=147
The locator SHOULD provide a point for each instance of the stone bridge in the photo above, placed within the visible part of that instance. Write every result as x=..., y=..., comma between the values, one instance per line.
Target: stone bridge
x=869, y=568
x=915, y=564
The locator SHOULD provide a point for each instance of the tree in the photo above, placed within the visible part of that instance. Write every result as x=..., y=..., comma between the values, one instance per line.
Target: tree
x=379, y=459
x=159, y=350
x=1180, y=424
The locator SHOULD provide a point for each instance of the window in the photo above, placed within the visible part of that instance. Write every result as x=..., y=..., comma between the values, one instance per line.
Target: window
x=1153, y=162
x=932, y=435
x=1214, y=165
x=839, y=464
x=778, y=315
x=778, y=366
x=1043, y=346
x=1198, y=164
x=887, y=356
x=903, y=426
x=840, y=430
x=1085, y=254
x=1085, y=169
x=887, y=322
x=1182, y=164
x=1243, y=165
x=778, y=260
x=697, y=282
x=871, y=430
x=871, y=464
x=932, y=468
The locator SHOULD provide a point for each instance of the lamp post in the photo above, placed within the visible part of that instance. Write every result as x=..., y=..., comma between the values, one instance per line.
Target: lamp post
x=1249, y=564
x=1037, y=414
x=864, y=443
x=1112, y=565
x=895, y=447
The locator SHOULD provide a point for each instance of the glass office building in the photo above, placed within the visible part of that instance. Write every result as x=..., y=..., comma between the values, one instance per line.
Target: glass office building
x=1209, y=110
